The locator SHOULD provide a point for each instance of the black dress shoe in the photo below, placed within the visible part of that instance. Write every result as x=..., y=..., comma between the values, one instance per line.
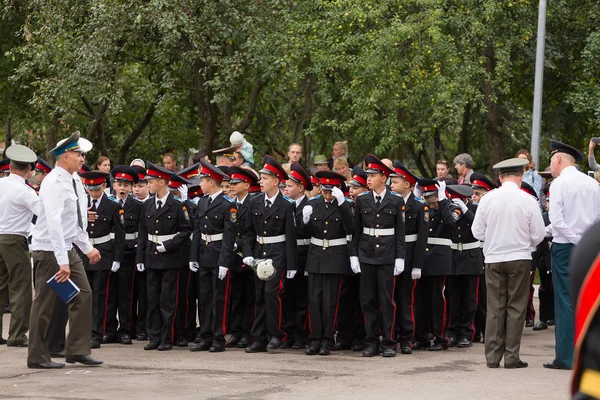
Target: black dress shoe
x=289, y=344
x=243, y=343
x=217, y=348
x=256, y=348
x=540, y=326
x=151, y=346
x=141, y=337
x=3, y=341
x=298, y=345
x=554, y=365
x=46, y=365
x=57, y=354
x=389, y=353
x=202, y=346
x=493, y=365
x=464, y=342
x=405, y=350
x=125, y=339
x=339, y=346
x=550, y=322
x=275, y=343
x=358, y=347
x=85, y=360
x=312, y=350
x=95, y=344
x=437, y=347
x=452, y=341
x=371, y=351
x=165, y=347
x=529, y=323
x=182, y=343
x=520, y=364
x=232, y=341
x=21, y=344
x=110, y=339
x=325, y=350
x=421, y=345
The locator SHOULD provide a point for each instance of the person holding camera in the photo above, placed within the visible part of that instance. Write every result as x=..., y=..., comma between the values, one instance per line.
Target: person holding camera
x=591, y=159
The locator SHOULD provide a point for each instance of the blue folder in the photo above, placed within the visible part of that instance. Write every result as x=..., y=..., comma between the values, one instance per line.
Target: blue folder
x=66, y=291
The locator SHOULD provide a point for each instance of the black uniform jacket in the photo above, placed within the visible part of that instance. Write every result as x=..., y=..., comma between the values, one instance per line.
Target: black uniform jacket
x=330, y=223
x=171, y=219
x=218, y=217
x=466, y=262
x=242, y=215
x=132, y=212
x=301, y=234
x=389, y=215
x=279, y=220
x=438, y=258
x=109, y=221
x=416, y=223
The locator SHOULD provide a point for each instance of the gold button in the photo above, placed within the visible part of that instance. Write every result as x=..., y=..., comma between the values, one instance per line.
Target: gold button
x=265, y=232
x=459, y=228
x=156, y=252
x=207, y=243
x=377, y=226
x=265, y=221
x=157, y=221
x=426, y=248
x=238, y=234
x=326, y=223
x=324, y=248
x=377, y=237
x=459, y=236
x=430, y=229
x=325, y=231
x=92, y=224
x=376, y=245
x=377, y=215
x=206, y=226
x=264, y=253
x=91, y=231
x=156, y=232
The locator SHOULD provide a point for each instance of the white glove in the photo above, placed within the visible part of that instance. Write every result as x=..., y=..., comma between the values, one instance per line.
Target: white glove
x=305, y=273
x=194, y=266
x=338, y=194
x=290, y=274
x=355, y=265
x=161, y=248
x=418, y=190
x=441, y=187
x=140, y=267
x=416, y=273
x=183, y=192
x=223, y=272
x=249, y=261
x=234, y=246
x=306, y=213
x=460, y=204
x=115, y=266
x=398, y=266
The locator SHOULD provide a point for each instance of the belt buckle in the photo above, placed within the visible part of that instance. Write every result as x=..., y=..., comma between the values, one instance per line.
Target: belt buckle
x=155, y=239
x=207, y=238
x=371, y=231
x=325, y=243
x=460, y=247
x=260, y=240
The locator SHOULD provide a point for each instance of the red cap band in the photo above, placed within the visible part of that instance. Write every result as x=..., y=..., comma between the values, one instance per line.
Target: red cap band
x=408, y=178
x=157, y=174
x=209, y=172
x=42, y=167
x=122, y=175
x=94, y=181
x=330, y=181
x=360, y=180
x=241, y=177
x=384, y=170
x=294, y=174
x=274, y=170
x=482, y=184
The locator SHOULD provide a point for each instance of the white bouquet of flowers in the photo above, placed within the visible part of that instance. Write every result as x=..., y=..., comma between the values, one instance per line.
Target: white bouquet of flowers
x=264, y=269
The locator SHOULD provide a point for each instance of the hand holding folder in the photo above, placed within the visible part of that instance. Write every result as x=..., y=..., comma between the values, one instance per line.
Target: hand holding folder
x=66, y=291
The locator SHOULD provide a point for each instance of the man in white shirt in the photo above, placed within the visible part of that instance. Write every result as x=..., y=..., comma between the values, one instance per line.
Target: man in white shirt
x=574, y=207
x=18, y=205
x=61, y=224
x=509, y=221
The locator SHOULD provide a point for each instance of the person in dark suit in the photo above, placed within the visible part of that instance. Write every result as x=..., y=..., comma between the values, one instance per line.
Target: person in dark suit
x=164, y=229
x=270, y=233
x=378, y=252
x=211, y=256
x=107, y=234
x=122, y=275
x=328, y=220
x=416, y=230
x=295, y=297
x=467, y=270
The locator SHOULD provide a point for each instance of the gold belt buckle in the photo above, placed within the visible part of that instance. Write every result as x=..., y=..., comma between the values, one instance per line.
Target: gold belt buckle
x=460, y=247
x=325, y=243
x=155, y=239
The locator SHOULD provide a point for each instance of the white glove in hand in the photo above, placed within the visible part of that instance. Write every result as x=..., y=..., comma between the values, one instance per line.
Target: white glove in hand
x=249, y=261
x=115, y=266
x=194, y=266
x=305, y=273
x=306, y=213
x=418, y=190
x=183, y=192
x=416, y=273
x=398, y=266
x=355, y=265
x=161, y=248
x=338, y=194
x=441, y=187
x=234, y=246
x=140, y=267
x=460, y=204
x=222, y=272
x=290, y=274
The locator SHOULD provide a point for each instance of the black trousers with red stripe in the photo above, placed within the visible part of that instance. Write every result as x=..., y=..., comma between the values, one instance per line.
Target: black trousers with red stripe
x=377, y=284
x=120, y=299
x=430, y=309
x=185, y=323
x=100, y=284
x=139, y=303
x=463, y=300
x=324, y=293
x=405, y=312
x=212, y=300
x=350, y=320
x=242, y=294
x=295, y=309
x=162, y=304
x=268, y=309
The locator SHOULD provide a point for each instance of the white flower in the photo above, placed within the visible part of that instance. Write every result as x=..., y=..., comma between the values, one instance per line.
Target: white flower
x=265, y=270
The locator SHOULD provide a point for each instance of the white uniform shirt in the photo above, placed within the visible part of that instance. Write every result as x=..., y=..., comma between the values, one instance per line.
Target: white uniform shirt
x=510, y=222
x=18, y=204
x=57, y=228
x=574, y=205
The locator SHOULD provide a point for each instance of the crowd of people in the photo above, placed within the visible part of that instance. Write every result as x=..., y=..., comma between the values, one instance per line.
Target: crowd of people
x=366, y=257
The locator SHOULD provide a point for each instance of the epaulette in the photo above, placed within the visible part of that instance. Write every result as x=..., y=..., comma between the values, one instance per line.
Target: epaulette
x=349, y=200
x=288, y=199
x=178, y=199
x=316, y=197
x=420, y=200
x=112, y=198
x=397, y=194
x=363, y=193
x=229, y=199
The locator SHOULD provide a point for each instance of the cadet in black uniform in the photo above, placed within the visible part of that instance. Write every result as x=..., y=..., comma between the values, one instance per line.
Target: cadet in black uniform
x=122, y=275
x=295, y=297
x=467, y=270
x=377, y=252
x=192, y=311
x=242, y=286
x=211, y=256
x=416, y=223
x=164, y=229
x=107, y=234
x=328, y=220
x=430, y=310
x=270, y=233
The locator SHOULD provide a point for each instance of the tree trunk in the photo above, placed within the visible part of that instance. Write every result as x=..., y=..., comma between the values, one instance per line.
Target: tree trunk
x=463, y=144
x=207, y=112
x=252, y=102
x=311, y=81
x=51, y=136
x=493, y=118
x=9, y=136
x=438, y=145
x=139, y=129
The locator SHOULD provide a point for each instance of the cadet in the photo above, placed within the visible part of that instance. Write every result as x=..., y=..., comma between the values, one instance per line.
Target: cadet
x=211, y=255
x=107, y=234
x=295, y=297
x=122, y=276
x=269, y=233
x=416, y=223
x=4, y=167
x=242, y=276
x=164, y=229
x=377, y=252
x=467, y=269
x=328, y=219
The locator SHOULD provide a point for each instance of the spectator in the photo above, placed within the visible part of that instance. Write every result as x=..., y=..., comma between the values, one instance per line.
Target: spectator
x=591, y=159
x=170, y=162
x=531, y=176
x=463, y=163
x=103, y=164
x=224, y=161
x=442, y=169
x=239, y=160
x=340, y=150
x=321, y=163
x=244, y=147
x=597, y=176
x=294, y=153
x=138, y=161
x=340, y=165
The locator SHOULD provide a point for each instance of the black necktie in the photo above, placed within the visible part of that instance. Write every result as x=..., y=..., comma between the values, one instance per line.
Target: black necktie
x=268, y=206
x=94, y=202
x=378, y=198
x=159, y=203
x=79, y=218
x=122, y=203
x=327, y=204
x=209, y=200
x=239, y=205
